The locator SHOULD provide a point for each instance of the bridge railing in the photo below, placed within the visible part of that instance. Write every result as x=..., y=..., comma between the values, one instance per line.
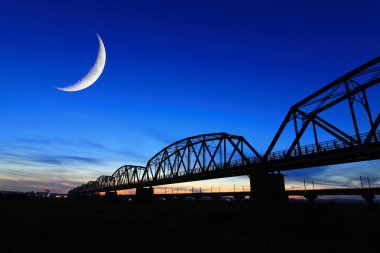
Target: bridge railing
x=324, y=146
x=321, y=147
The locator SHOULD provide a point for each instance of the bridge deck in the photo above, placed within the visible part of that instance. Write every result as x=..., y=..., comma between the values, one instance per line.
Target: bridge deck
x=218, y=155
x=318, y=192
x=340, y=154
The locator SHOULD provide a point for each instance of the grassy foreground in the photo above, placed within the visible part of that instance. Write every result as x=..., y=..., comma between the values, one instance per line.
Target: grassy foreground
x=98, y=226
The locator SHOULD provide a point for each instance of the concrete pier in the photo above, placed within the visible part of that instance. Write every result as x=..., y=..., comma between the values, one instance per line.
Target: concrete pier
x=144, y=194
x=111, y=195
x=311, y=196
x=368, y=197
x=94, y=195
x=268, y=190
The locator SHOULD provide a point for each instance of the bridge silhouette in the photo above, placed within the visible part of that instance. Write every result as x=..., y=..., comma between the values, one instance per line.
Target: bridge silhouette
x=368, y=194
x=219, y=155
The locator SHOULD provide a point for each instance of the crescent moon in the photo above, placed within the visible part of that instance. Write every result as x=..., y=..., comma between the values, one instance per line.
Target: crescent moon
x=94, y=72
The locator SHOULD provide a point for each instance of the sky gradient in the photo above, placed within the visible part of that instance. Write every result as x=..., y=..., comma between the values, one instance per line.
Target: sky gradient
x=174, y=69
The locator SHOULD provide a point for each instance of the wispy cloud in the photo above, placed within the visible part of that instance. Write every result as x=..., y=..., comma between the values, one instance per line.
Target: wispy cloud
x=27, y=158
x=345, y=175
x=65, y=159
x=137, y=154
x=35, y=140
x=159, y=135
x=38, y=185
x=349, y=174
x=29, y=163
x=13, y=147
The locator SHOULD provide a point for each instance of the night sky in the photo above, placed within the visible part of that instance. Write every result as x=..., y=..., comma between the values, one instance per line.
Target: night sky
x=174, y=69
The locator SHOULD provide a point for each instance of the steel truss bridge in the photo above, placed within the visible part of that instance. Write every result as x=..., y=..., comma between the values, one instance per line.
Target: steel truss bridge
x=368, y=194
x=218, y=155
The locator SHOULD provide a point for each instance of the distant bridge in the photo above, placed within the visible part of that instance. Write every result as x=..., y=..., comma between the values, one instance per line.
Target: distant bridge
x=368, y=194
x=240, y=194
x=218, y=155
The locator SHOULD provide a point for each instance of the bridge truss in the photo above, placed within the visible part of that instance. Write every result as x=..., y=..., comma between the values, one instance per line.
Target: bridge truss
x=219, y=155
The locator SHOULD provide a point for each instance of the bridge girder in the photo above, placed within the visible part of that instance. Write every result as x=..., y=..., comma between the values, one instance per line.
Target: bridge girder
x=306, y=114
x=103, y=182
x=220, y=154
x=127, y=174
x=199, y=155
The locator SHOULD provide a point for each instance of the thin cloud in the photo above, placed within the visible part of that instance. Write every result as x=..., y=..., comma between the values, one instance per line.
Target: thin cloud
x=30, y=149
x=132, y=153
x=35, y=140
x=123, y=151
x=158, y=135
x=38, y=185
x=345, y=175
x=47, y=159
x=60, y=160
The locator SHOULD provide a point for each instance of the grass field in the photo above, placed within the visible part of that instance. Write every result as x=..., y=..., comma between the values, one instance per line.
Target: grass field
x=99, y=226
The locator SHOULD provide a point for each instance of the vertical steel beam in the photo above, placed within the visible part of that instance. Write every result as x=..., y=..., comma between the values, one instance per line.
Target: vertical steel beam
x=315, y=137
x=368, y=110
x=297, y=133
x=303, y=128
x=203, y=146
x=225, y=151
x=350, y=103
x=188, y=160
x=372, y=132
x=367, y=107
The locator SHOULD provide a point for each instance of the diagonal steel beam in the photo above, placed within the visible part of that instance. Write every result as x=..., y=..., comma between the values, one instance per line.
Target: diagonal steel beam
x=298, y=137
x=339, y=80
x=372, y=132
x=348, y=94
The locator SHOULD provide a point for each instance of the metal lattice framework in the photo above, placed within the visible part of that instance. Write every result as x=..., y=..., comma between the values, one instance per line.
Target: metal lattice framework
x=191, y=157
x=199, y=155
x=103, y=182
x=127, y=175
x=220, y=154
x=350, y=88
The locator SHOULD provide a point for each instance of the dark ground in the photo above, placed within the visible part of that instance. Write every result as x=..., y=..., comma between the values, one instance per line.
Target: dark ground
x=99, y=226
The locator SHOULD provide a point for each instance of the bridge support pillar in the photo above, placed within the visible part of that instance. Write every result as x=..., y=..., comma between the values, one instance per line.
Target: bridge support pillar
x=111, y=195
x=144, y=194
x=311, y=197
x=268, y=190
x=94, y=195
x=369, y=197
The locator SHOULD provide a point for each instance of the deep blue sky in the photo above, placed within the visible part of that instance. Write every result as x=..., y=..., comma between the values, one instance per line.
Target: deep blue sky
x=174, y=69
